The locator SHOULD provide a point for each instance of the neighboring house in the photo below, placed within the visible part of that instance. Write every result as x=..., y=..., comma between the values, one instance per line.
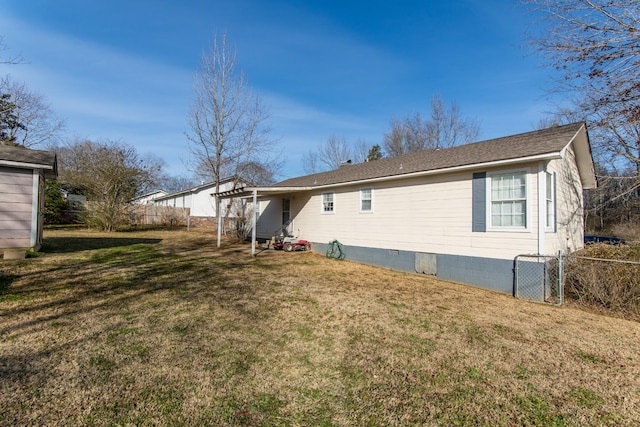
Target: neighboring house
x=199, y=200
x=148, y=198
x=22, y=175
x=462, y=213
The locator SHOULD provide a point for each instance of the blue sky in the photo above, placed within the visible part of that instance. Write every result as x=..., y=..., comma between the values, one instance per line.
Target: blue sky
x=123, y=69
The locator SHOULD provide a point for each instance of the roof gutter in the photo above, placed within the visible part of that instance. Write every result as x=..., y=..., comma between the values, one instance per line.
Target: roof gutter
x=539, y=157
x=281, y=189
x=25, y=165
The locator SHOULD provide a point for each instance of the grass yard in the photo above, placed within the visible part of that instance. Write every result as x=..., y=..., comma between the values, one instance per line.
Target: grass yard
x=163, y=328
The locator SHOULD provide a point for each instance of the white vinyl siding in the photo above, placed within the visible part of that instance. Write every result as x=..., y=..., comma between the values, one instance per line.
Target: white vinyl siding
x=366, y=200
x=199, y=200
x=256, y=210
x=434, y=214
x=568, y=221
x=430, y=215
x=508, y=200
x=328, y=202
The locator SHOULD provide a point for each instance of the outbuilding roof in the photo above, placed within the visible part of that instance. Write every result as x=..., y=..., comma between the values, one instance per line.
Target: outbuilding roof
x=26, y=158
x=201, y=187
x=540, y=144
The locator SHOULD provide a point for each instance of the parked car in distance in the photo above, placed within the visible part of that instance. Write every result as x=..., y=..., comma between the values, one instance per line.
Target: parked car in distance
x=596, y=238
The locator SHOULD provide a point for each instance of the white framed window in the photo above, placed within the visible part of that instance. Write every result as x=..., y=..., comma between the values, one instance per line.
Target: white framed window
x=366, y=200
x=550, y=201
x=328, y=202
x=507, y=200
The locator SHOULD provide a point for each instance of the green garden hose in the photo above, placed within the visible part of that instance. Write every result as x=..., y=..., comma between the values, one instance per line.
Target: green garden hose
x=335, y=250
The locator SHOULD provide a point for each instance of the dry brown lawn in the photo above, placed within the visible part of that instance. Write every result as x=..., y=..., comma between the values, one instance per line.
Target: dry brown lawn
x=163, y=328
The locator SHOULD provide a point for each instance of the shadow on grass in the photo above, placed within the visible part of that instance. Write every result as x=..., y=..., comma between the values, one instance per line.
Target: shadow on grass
x=5, y=282
x=122, y=283
x=76, y=244
x=117, y=272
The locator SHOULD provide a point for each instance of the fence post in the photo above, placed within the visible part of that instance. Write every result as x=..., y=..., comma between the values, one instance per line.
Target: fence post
x=560, y=278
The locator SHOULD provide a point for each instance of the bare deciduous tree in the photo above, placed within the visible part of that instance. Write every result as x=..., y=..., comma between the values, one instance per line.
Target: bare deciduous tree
x=15, y=59
x=173, y=184
x=228, y=130
x=227, y=120
x=109, y=174
x=394, y=140
x=359, y=151
x=38, y=124
x=595, y=47
x=334, y=152
x=595, y=44
x=310, y=162
x=445, y=128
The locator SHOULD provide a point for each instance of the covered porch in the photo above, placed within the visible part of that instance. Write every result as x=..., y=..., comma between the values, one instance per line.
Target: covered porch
x=281, y=214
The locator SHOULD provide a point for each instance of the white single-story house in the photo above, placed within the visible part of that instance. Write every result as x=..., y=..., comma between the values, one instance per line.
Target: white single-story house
x=148, y=198
x=461, y=213
x=199, y=200
x=22, y=175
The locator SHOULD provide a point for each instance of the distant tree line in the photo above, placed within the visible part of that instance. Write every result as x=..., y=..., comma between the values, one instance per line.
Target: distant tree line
x=444, y=127
x=594, y=48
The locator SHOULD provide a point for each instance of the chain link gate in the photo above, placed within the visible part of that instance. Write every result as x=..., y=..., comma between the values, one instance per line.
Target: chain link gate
x=540, y=278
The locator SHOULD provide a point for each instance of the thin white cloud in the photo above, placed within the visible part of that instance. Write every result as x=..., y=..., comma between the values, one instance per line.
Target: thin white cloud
x=92, y=80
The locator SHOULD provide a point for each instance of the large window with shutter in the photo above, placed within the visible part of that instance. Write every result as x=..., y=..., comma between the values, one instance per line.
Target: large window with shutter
x=508, y=200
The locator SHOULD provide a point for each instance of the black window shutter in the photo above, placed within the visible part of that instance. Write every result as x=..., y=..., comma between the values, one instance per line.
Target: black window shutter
x=479, y=202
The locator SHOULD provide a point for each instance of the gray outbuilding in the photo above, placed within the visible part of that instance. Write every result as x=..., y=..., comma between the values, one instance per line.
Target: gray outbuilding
x=22, y=176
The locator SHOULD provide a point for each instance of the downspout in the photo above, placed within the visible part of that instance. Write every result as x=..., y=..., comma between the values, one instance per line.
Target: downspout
x=254, y=223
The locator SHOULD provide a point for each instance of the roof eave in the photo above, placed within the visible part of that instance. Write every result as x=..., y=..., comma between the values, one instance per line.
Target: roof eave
x=497, y=163
x=584, y=158
x=274, y=190
x=23, y=165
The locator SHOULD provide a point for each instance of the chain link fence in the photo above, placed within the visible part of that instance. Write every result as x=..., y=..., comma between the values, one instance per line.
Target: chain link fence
x=540, y=278
x=611, y=283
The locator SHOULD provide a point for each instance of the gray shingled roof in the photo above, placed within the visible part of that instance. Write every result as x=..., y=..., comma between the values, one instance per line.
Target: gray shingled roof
x=541, y=142
x=45, y=159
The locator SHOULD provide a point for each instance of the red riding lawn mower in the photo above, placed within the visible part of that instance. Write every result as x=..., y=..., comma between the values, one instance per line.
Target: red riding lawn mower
x=290, y=244
x=287, y=242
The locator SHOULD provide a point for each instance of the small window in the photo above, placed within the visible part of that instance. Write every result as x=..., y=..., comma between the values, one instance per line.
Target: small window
x=327, y=202
x=366, y=200
x=509, y=200
x=550, y=199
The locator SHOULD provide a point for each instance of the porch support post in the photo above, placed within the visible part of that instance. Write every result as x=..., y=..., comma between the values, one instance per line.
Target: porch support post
x=219, y=214
x=254, y=223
